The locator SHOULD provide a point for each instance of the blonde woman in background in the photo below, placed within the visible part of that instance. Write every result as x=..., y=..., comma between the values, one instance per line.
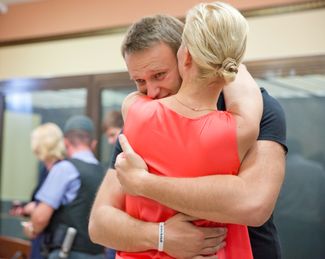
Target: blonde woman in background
x=65, y=198
x=47, y=144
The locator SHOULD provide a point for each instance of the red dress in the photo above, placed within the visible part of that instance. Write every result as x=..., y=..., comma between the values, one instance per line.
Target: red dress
x=176, y=146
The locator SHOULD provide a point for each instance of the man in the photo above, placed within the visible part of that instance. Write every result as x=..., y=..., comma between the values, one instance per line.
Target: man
x=149, y=50
x=112, y=125
x=67, y=194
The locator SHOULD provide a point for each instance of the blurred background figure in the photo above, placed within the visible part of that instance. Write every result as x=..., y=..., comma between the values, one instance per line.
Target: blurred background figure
x=300, y=211
x=112, y=125
x=48, y=146
x=65, y=198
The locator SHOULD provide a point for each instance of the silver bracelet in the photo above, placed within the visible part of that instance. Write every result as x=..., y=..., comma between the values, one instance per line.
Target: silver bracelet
x=161, y=236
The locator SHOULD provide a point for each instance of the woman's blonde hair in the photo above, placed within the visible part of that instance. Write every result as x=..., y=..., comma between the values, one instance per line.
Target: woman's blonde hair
x=47, y=142
x=215, y=34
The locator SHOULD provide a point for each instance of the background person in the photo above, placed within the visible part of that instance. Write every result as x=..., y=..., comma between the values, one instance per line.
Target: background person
x=48, y=146
x=112, y=125
x=67, y=194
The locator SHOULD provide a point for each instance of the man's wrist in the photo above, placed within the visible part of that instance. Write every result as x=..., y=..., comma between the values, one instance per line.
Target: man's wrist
x=150, y=233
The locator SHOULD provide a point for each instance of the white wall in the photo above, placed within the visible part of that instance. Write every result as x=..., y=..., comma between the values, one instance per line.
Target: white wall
x=286, y=35
x=98, y=54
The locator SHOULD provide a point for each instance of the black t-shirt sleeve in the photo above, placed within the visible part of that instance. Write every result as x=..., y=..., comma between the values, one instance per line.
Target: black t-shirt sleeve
x=117, y=150
x=273, y=123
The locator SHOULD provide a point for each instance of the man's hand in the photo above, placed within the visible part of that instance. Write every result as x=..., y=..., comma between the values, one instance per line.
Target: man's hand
x=130, y=168
x=185, y=240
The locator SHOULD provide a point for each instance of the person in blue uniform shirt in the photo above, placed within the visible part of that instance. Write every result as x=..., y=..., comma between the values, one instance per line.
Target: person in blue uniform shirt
x=65, y=198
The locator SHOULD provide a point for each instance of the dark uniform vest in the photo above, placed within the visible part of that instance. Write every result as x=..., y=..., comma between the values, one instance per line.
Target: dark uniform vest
x=76, y=213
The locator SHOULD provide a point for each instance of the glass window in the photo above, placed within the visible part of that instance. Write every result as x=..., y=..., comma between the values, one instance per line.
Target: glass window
x=19, y=167
x=300, y=210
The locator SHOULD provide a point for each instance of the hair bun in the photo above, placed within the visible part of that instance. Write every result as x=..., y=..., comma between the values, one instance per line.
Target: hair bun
x=229, y=65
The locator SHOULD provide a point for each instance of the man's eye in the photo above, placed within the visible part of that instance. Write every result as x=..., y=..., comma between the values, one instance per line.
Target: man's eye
x=140, y=81
x=160, y=75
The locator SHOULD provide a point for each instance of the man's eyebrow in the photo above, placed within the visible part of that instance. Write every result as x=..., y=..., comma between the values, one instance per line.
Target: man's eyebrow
x=159, y=69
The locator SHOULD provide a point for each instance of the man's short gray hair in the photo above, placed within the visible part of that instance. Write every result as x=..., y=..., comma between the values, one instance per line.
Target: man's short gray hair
x=151, y=30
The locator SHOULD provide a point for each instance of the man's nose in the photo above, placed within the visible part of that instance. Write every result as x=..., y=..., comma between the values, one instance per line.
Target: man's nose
x=153, y=91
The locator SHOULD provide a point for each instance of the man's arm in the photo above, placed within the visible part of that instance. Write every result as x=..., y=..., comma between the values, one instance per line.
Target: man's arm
x=247, y=199
x=108, y=220
x=110, y=226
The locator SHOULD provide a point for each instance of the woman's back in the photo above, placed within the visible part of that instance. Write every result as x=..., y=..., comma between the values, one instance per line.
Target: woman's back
x=175, y=146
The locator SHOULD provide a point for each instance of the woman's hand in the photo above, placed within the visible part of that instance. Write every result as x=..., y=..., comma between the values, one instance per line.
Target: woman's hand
x=28, y=229
x=130, y=168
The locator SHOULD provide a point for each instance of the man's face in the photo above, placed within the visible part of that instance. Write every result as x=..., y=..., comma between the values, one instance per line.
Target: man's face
x=112, y=134
x=154, y=71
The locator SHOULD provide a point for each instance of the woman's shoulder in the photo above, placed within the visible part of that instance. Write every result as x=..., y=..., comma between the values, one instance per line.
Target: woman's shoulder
x=130, y=100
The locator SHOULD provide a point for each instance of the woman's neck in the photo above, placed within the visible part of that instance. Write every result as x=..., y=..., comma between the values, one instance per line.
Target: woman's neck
x=199, y=95
x=49, y=163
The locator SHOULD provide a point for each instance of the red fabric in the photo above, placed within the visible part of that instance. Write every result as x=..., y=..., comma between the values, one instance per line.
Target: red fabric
x=173, y=145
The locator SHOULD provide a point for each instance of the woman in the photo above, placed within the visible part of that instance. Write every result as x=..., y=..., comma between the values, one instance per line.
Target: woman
x=187, y=136
x=48, y=146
